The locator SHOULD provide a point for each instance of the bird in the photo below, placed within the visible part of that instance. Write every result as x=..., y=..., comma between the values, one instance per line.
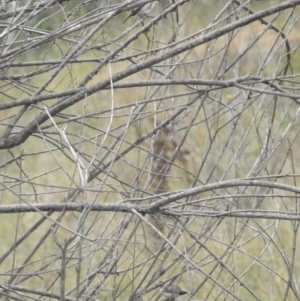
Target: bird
x=141, y=11
x=171, y=291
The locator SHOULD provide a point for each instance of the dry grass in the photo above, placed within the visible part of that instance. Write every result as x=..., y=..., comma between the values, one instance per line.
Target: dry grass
x=247, y=248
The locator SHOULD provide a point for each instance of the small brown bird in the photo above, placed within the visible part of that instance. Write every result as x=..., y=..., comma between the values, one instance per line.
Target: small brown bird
x=170, y=290
x=141, y=11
